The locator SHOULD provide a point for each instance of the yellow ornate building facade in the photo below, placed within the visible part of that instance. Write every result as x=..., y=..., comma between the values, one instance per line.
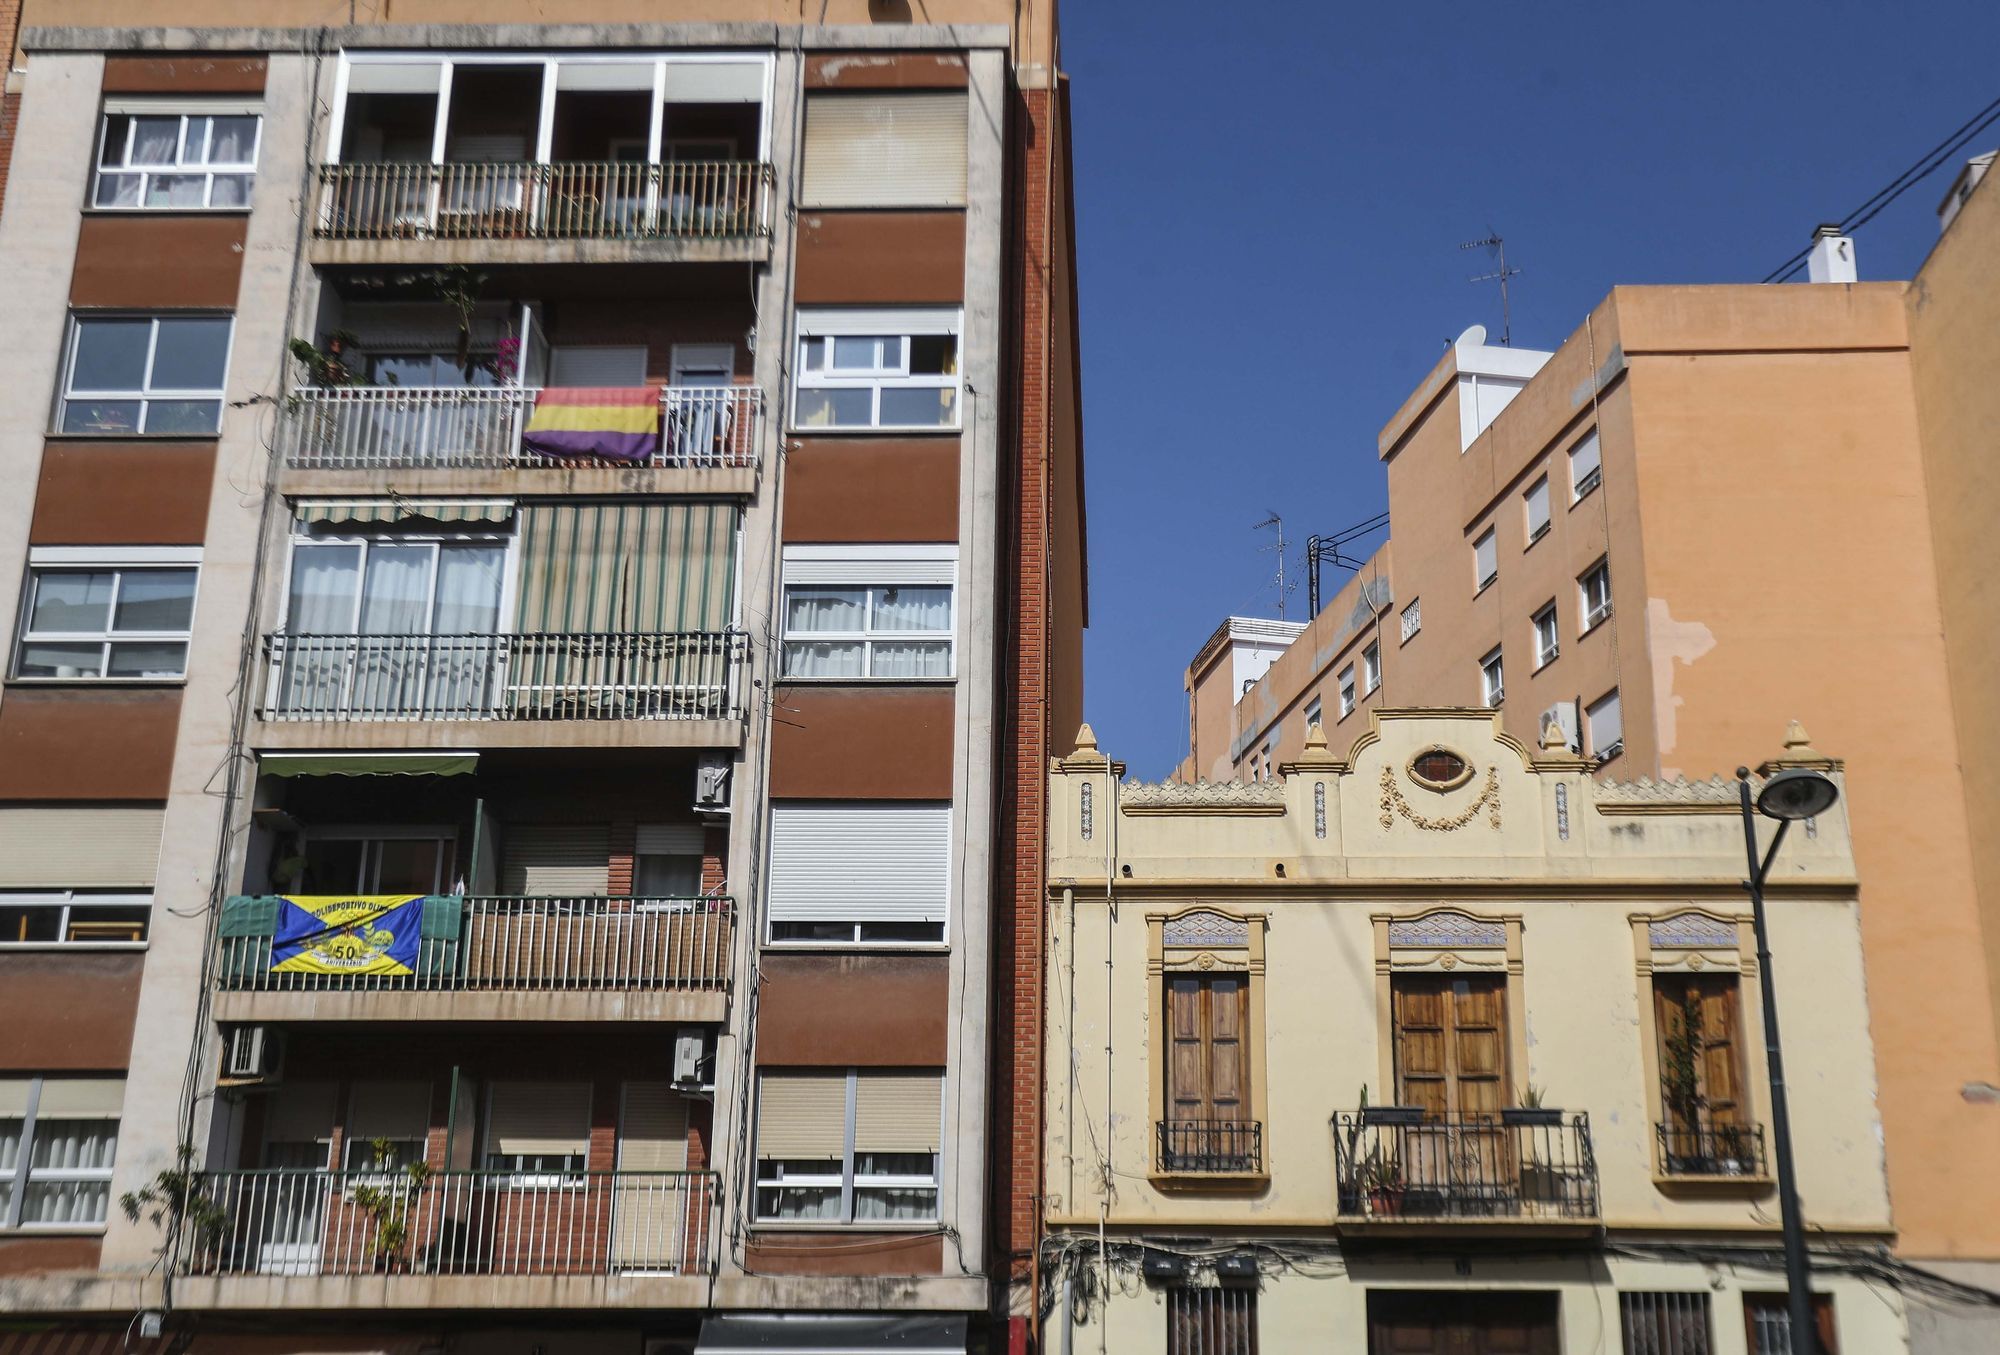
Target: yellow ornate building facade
x=1438, y=1044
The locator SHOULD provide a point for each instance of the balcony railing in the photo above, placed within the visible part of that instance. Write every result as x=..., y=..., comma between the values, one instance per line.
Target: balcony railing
x=1198, y=1146
x=528, y=1222
x=691, y=675
x=577, y=200
x=1465, y=1167
x=513, y=944
x=451, y=428
x=1712, y=1150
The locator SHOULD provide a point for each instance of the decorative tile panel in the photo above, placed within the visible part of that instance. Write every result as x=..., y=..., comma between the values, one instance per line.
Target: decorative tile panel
x=1691, y=931
x=1205, y=928
x=1447, y=931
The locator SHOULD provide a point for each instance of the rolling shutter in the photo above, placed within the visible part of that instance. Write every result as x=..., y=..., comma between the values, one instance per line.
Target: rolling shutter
x=389, y=1110
x=597, y=365
x=557, y=858
x=898, y=1112
x=300, y=1112
x=885, y=150
x=62, y=848
x=535, y=1119
x=670, y=839
x=860, y=862
x=802, y=1116
x=843, y=566
x=14, y=1097
x=81, y=1098
x=652, y=1133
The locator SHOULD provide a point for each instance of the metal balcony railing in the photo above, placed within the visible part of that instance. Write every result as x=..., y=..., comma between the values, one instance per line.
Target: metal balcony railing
x=513, y=944
x=526, y=1222
x=1712, y=1150
x=1465, y=1167
x=454, y=428
x=575, y=200
x=1196, y=1146
x=689, y=675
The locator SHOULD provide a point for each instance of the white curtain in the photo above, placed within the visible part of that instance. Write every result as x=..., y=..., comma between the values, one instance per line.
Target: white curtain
x=71, y=1146
x=911, y=659
x=906, y=608
x=468, y=604
x=395, y=601
x=818, y=611
x=325, y=579
x=155, y=141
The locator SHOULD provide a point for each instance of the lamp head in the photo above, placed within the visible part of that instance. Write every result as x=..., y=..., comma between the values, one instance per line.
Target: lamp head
x=1797, y=793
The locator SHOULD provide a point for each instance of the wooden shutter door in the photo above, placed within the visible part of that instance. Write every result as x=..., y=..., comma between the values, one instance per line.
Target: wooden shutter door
x=1478, y=1046
x=1228, y=1073
x=1422, y=1076
x=1187, y=1056
x=1721, y=1050
x=1670, y=1015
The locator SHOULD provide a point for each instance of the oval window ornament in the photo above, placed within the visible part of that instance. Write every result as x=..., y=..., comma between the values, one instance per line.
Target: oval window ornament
x=1439, y=769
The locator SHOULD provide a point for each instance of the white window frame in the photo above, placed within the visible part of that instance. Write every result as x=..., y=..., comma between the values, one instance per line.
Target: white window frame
x=1592, y=478
x=180, y=167
x=1591, y=618
x=866, y=569
x=849, y=1180
x=1413, y=619
x=146, y=396
x=22, y=1174
x=1489, y=539
x=1493, y=677
x=522, y=1177
x=1371, y=668
x=1548, y=635
x=117, y=561
x=1617, y=745
x=1345, y=681
x=822, y=326
x=1537, y=530
x=70, y=905
x=508, y=540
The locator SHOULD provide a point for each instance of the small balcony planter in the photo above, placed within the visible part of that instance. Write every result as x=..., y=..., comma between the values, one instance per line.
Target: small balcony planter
x=1404, y=1117
x=1532, y=1117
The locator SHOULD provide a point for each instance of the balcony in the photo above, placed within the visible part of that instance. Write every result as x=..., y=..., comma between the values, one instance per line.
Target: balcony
x=500, y=958
x=448, y=1223
x=1211, y=1147
x=1465, y=1169
x=442, y=428
x=1712, y=1152
x=694, y=676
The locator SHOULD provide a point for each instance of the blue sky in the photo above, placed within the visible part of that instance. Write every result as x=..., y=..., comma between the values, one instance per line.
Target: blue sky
x=1270, y=199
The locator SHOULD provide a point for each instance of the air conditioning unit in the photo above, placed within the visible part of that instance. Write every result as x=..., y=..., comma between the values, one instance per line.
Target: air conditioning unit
x=253, y=1054
x=694, y=1062
x=711, y=783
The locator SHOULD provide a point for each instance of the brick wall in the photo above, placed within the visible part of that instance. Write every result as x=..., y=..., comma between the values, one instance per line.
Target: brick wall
x=10, y=105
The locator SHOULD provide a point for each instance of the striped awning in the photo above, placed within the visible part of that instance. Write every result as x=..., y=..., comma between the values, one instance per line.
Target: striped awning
x=71, y=1341
x=627, y=567
x=395, y=508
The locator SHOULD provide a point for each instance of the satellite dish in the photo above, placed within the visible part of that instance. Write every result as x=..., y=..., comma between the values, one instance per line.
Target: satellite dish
x=1474, y=337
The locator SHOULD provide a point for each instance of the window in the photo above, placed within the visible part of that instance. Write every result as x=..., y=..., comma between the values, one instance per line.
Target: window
x=1546, y=646
x=395, y=586
x=882, y=149
x=1413, y=618
x=332, y=861
x=107, y=615
x=1767, y=1324
x=1585, y=471
x=1209, y=1125
x=1219, y=1321
x=667, y=861
x=848, y=1146
x=1450, y=1043
x=1492, y=679
x=58, y=1140
x=1265, y=774
x=1347, y=691
x=1485, y=560
x=1314, y=710
x=1440, y=769
x=881, y=612
x=538, y=1130
x=1606, y=726
x=877, y=369
x=1665, y=1324
x=1537, y=502
x=1371, y=668
x=1707, y=1131
x=158, y=375
x=1593, y=593
x=817, y=894
x=387, y=1126
x=69, y=918
x=152, y=158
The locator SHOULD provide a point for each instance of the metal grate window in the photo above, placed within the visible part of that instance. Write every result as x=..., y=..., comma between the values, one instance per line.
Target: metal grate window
x=1211, y=1322
x=1665, y=1324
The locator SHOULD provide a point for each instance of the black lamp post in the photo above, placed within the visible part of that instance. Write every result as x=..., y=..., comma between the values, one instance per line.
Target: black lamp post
x=1797, y=793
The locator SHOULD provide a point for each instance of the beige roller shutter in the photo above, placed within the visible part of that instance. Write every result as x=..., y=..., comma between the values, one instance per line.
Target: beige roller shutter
x=81, y=1098
x=670, y=839
x=898, y=1112
x=388, y=1110
x=562, y=859
x=539, y=1118
x=652, y=1133
x=300, y=1112
x=64, y=848
x=802, y=1116
x=13, y=1097
x=885, y=150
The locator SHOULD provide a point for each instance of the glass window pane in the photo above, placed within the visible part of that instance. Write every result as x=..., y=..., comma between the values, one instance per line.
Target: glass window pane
x=823, y=660
x=117, y=128
x=408, y=866
x=919, y=408
x=862, y=354
x=183, y=418
x=230, y=190
x=155, y=600
x=70, y=600
x=155, y=140
x=176, y=190
x=911, y=659
x=934, y=355
x=117, y=190
x=232, y=140
x=110, y=354
x=666, y=877
x=101, y=416
x=152, y=659
x=907, y=608
x=192, y=353
x=847, y=408
x=324, y=581
x=50, y=1202
x=468, y=590
x=10, y=1144
x=19, y=923
x=815, y=354
x=897, y=1203
x=396, y=590
x=74, y=1145
x=332, y=866
x=824, y=609
x=61, y=661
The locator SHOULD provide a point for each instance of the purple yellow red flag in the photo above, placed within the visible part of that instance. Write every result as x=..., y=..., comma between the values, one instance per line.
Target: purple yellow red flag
x=614, y=423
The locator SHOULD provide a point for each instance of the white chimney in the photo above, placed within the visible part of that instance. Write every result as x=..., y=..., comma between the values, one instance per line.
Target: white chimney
x=1832, y=257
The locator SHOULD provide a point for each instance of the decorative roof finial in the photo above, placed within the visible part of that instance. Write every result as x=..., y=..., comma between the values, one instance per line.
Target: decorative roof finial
x=1553, y=738
x=1315, y=738
x=1086, y=739
x=1796, y=743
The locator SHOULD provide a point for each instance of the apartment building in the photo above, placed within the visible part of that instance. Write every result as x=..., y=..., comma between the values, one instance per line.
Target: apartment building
x=540, y=554
x=1710, y=511
x=1437, y=1043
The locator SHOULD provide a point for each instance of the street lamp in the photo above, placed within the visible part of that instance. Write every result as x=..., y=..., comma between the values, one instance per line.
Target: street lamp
x=1795, y=793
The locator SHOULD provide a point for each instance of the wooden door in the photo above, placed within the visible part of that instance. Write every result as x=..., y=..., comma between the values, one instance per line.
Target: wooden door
x=1701, y=1067
x=1406, y=1322
x=1208, y=1076
x=1451, y=1059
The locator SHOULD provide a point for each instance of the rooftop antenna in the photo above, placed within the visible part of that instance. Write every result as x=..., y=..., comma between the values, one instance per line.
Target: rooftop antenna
x=1494, y=245
x=1281, y=546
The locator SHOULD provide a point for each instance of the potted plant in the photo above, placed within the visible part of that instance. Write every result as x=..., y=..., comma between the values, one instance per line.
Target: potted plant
x=387, y=1204
x=1532, y=1112
x=1382, y=1184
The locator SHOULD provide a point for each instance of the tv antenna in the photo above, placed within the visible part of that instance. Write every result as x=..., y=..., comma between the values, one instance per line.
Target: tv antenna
x=1332, y=550
x=1493, y=244
x=1280, y=546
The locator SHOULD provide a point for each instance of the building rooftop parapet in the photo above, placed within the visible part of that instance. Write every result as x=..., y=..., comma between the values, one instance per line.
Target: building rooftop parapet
x=1205, y=797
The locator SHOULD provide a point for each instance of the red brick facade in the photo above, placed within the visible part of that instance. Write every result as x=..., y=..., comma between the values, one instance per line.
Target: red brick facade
x=10, y=104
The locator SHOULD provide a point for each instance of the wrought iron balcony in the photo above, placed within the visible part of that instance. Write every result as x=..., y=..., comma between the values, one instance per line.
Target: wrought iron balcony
x=522, y=1222
x=1721, y=1150
x=1194, y=1147
x=573, y=200
x=689, y=675
x=511, y=944
x=479, y=428
x=1465, y=1167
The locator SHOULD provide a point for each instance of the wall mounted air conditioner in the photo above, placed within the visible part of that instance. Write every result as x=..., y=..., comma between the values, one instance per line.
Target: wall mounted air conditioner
x=253, y=1054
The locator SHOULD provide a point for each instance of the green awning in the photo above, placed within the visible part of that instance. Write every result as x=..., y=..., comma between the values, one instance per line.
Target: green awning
x=398, y=509
x=367, y=764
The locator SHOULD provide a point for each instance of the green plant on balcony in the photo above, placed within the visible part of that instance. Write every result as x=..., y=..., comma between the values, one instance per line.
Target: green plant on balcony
x=326, y=368
x=174, y=1202
x=387, y=1202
